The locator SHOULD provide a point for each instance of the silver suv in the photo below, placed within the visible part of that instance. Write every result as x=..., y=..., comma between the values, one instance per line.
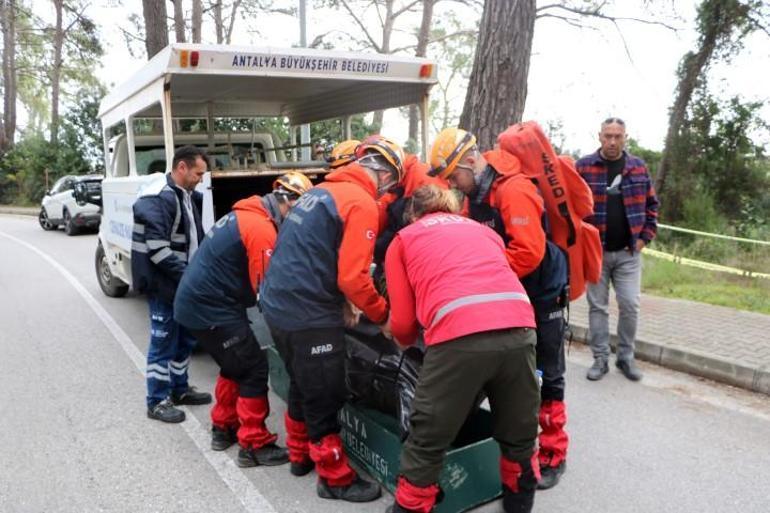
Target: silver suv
x=74, y=202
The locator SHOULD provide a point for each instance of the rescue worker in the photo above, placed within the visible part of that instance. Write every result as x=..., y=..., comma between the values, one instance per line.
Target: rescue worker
x=393, y=204
x=215, y=291
x=501, y=197
x=343, y=153
x=449, y=274
x=166, y=234
x=321, y=262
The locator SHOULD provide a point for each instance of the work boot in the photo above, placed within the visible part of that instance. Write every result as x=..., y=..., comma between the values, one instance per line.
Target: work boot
x=268, y=455
x=301, y=468
x=222, y=438
x=629, y=369
x=549, y=476
x=519, y=502
x=191, y=397
x=598, y=369
x=164, y=411
x=357, y=491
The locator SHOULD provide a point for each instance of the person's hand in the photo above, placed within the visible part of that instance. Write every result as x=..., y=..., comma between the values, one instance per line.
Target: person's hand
x=350, y=314
x=385, y=328
x=640, y=245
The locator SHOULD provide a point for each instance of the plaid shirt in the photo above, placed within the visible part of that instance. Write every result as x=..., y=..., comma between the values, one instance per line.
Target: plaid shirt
x=639, y=199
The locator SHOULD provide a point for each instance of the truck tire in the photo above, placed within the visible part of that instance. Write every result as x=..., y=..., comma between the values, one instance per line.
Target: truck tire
x=69, y=227
x=45, y=223
x=110, y=285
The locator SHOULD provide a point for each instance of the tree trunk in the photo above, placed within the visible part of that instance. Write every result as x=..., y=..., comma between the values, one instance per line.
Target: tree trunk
x=8, y=18
x=58, y=43
x=497, y=89
x=387, y=30
x=423, y=36
x=179, y=23
x=690, y=72
x=219, y=22
x=197, y=21
x=155, y=26
x=231, y=21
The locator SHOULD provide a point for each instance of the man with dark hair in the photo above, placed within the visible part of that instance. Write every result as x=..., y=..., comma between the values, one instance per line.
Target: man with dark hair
x=625, y=212
x=166, y=234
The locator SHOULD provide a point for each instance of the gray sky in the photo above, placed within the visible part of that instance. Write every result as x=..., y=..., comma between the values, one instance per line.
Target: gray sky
x=577, y=77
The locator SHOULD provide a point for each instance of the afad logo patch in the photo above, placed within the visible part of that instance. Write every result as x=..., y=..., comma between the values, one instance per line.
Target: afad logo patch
x=326, y=348
x=370, y=234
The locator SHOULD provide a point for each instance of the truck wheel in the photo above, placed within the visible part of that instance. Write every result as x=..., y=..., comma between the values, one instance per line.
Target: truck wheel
x=69, y=227
x=45, y=223
x=110, y=285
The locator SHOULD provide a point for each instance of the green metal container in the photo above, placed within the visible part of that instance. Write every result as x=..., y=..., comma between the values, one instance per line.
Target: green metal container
x=471, y=468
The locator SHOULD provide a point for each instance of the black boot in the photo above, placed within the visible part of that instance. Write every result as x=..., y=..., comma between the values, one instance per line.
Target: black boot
x=520, y=502
x=357, y=491
x=303, y=468
x=549, y=476
x=191, y=397
x=221, y=439
x=268, y=455
x=164, y=411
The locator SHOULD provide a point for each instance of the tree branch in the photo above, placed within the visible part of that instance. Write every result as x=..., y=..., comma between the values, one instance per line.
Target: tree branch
x=596, y=13
x=360, y=25
x=438, y=39
x=405, y=8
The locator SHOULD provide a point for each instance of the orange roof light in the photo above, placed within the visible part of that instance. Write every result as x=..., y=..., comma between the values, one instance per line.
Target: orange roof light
x=426, y=70
x=184, y=58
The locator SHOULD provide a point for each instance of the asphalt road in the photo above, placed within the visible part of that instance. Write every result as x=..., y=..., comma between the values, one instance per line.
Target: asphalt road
x=76, y=437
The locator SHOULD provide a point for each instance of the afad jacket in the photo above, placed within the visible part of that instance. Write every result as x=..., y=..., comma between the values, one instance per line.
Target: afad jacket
x=514, y=209
x=223, y=279
x=393, y=204
x=160, y=238
x=323, y=255
x=449, y=274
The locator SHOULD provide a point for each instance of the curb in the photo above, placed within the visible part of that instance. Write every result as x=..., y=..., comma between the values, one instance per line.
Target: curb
x=19, y=211
x=693, y=362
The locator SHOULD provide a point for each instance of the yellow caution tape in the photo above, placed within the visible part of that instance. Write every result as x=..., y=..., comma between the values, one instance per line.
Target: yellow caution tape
x=703, y=265
x=714, y=235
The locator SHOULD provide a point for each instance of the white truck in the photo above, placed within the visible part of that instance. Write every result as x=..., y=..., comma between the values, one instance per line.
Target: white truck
x=215, y=97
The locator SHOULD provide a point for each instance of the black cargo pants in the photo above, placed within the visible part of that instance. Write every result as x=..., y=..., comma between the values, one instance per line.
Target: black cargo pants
x=550, y=349
x=315, y=362
x=239, y=356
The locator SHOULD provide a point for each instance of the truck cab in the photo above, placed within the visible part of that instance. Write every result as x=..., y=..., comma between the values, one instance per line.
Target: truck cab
x=244, y=106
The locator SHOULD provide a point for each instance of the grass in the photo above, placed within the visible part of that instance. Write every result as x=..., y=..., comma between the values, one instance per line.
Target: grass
x=664, y=278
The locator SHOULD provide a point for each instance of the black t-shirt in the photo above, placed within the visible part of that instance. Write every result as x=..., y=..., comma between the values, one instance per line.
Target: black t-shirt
x=618, y=232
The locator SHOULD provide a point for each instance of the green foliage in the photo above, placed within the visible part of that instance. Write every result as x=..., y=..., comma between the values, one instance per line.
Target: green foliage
x=651, y=157
x=719, y=170
x=664, y=278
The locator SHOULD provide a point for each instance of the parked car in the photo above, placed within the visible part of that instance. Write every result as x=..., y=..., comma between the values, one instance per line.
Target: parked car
x=74, y=202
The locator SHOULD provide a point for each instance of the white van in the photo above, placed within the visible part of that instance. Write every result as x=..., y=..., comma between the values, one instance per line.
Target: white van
x=218, y=97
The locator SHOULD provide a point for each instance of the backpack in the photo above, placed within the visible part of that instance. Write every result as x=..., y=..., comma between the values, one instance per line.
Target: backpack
x=567, y=199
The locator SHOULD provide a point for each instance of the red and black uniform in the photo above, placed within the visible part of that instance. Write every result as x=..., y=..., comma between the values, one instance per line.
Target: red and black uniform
x=321, y=260
x=512, y=206
x=211, y=301
x=448, y=274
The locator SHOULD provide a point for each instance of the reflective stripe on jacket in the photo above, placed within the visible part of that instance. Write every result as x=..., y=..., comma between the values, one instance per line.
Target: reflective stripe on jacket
x=160, y=238
x=449, y=275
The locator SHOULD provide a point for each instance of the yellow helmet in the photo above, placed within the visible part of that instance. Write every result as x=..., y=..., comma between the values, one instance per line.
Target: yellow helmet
x=389, y=150
x=293, y=184
x=450, y=145
x=343, y=153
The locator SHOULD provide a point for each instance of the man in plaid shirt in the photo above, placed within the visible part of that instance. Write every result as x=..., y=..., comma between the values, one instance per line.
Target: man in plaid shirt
x=625, y=212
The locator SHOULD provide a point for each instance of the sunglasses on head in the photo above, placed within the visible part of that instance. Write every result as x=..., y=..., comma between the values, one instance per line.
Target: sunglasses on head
x=614, y=120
